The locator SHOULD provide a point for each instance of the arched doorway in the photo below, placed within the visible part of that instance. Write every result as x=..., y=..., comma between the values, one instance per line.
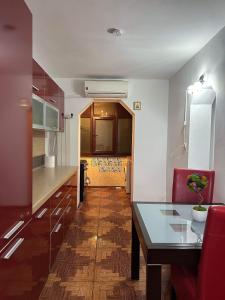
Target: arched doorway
x=106, y=142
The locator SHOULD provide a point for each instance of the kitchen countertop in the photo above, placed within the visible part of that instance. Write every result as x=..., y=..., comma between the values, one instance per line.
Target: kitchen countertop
x=46, y=181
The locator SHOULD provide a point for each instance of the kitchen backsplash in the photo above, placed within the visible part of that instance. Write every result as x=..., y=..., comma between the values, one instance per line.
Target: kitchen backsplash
x=38, y=148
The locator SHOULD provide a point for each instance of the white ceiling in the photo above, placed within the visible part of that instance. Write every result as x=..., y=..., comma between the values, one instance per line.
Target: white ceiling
x=70, y=38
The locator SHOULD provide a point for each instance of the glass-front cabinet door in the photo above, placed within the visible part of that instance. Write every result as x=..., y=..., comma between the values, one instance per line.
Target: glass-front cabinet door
x=38, y=108
x=51, y=118
x=103, y=136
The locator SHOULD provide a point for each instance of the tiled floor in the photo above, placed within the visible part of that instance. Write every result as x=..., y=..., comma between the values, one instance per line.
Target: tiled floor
x=94, y=260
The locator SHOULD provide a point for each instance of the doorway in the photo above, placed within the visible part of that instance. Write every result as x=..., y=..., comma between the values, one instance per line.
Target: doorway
x=106, y=145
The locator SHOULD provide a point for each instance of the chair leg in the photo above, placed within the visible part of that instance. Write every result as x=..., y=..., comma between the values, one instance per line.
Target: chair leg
x=173, y=294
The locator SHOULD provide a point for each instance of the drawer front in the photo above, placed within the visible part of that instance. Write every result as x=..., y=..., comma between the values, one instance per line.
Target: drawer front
x=57, y=198
x=41, y=248
x=56, y=239
x=16, y=267
x=58, y=212
x=68, y=216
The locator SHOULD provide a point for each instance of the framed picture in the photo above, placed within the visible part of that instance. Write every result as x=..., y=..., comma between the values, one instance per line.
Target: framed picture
x=137, y=105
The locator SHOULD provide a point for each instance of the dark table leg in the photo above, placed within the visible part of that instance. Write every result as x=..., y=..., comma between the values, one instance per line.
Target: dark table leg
x=135, y=254
x=153, y=282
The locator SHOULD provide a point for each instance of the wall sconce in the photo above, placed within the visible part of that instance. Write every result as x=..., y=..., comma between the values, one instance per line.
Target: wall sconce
x=196, y=87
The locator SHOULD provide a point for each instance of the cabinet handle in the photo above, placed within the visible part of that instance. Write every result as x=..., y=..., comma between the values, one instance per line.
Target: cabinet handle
x=41, y=214
x=57, y=228
x=68, y=197
x=13, y=249
x=35, y=88
x=13, y=230
x=58, y=195
x=52, y=100
x=68, y=209
x=58, y=211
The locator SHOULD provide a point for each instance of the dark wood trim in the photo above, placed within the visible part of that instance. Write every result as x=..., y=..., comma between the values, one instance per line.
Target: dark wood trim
x=135, y=254
x=153, y=282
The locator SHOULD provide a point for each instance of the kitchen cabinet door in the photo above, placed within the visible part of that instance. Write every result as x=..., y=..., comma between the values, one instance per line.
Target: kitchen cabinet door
x=61, y=110
x=51, y=91
x=39, y=80
x=68, y=216
x=41, y=248
x=15, y=115
x=56, y=240
x=16, y=267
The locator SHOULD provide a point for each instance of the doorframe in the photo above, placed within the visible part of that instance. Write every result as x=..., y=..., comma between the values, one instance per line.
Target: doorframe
x=120, y=101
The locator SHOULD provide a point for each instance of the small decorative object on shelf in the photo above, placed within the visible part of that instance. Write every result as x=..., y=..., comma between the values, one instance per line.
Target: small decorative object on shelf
x=197, y=183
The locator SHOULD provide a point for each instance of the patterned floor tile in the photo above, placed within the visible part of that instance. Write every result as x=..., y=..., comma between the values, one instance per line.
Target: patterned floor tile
x=94, y=260
x=112, y=264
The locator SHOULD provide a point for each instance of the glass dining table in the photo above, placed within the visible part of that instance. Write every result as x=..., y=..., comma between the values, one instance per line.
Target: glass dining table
x=167, y=235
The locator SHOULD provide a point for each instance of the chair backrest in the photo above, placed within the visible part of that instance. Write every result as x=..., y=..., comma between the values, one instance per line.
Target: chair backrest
x=211, y=276
x=181, y=193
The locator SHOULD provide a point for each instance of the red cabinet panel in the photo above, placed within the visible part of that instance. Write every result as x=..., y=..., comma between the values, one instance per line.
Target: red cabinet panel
x=52, y=91
x=15, y=114
x=68, y=216
x=39, y=80
x=16, y=267
x=56, y=240
x=41, y=248
x=61, y=111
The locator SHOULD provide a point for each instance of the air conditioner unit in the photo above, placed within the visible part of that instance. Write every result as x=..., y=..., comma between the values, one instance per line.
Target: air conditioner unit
x=106, y=88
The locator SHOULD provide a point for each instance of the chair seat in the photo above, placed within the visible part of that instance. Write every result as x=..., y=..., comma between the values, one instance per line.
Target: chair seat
x=184, y=281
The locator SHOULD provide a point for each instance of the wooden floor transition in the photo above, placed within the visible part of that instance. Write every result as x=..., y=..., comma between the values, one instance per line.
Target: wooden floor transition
x=94, y=260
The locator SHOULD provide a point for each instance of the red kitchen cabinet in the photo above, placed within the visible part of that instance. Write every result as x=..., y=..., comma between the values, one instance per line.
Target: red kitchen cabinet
x=39, y=80
x=61, y=110
x=41, y=248
x=68, y=216
x=56, y=240
x=52, y=91
x=48, y=90
x=16, y=267
x=15, y=117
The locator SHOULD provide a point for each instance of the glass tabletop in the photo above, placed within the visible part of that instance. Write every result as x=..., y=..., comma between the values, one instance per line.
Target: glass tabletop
x=166, y=225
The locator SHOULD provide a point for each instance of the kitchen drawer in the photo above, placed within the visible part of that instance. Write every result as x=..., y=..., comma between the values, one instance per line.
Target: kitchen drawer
x=11, y=225
x=16, y=267
x=57, y=198
x=41, y=248
x=56, y=238
x=58, y=212
x=68, y=216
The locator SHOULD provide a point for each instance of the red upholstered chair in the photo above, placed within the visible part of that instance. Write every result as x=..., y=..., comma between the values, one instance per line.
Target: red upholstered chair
x=206, y=282
x=181, y=194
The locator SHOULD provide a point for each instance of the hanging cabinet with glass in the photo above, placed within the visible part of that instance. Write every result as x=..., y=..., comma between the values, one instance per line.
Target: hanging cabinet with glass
x=106, y=129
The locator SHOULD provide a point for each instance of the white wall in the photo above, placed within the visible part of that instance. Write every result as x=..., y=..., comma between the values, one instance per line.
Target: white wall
x=150, y=132
x=210, y=60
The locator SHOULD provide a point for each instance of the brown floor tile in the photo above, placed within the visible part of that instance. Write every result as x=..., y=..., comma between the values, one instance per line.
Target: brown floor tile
x=112, y=264
x=94, y=260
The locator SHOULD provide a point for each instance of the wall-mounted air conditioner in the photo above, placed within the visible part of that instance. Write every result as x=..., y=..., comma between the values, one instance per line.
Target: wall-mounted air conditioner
x=106, y=88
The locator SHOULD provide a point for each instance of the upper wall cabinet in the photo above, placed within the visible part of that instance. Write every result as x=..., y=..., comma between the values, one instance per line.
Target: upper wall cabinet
x=39, y=81
x=45, y=88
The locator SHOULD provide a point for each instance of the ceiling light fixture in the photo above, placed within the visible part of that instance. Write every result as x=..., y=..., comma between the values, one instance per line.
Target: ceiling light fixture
x=115, y=31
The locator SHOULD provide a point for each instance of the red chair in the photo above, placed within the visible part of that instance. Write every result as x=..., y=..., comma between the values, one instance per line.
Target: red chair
x=181, y=194
x=206, y=283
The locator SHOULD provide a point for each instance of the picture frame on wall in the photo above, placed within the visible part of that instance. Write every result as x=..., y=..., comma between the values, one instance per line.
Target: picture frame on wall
x=137, y=105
